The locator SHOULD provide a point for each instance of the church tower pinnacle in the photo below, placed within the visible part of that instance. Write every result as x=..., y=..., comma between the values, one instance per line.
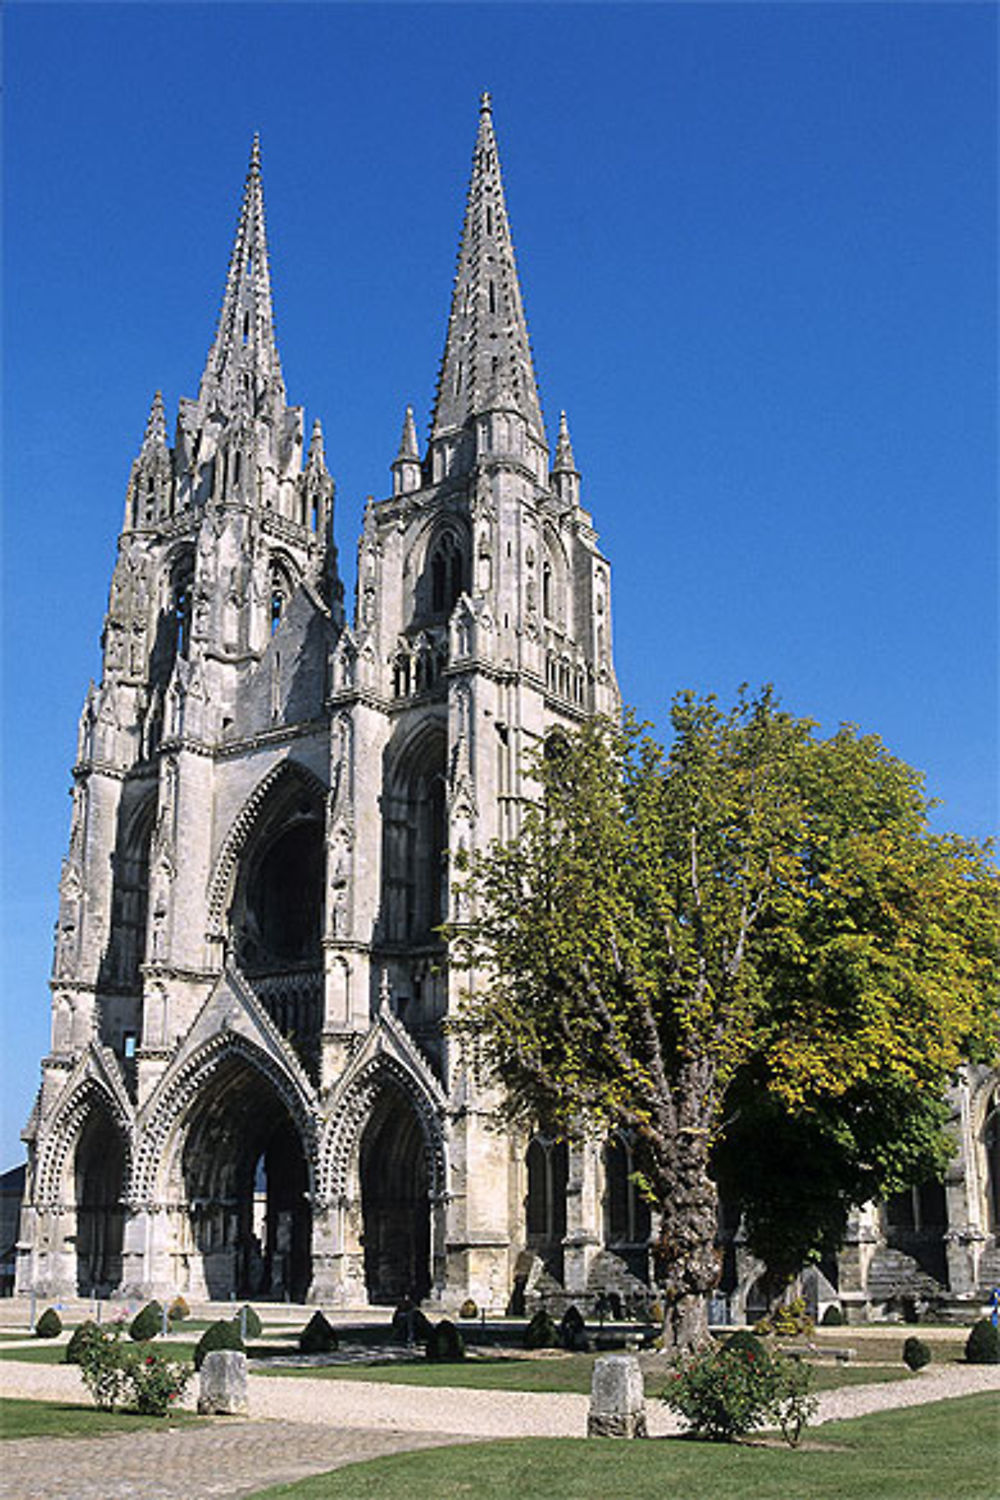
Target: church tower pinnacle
x=243, y=365
x=486, y=366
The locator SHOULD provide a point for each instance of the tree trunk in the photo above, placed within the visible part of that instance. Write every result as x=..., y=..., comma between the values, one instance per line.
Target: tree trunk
x=687, y=1260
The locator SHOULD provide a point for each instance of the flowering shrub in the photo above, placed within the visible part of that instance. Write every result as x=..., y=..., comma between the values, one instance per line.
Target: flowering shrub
x=116, y=1375
x=725, y=1393
x=789, y=1319
x=102, y=1365
x=154, y=1383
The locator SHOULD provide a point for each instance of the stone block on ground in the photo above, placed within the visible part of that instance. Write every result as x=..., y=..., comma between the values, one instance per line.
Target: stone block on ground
x=223, y=1384
x=617, y=1400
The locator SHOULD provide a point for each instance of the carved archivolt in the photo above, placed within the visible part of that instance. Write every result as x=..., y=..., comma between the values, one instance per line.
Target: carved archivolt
x=240, y=833
x=62, y=1134
x=341, y=1139
x=189, y=1085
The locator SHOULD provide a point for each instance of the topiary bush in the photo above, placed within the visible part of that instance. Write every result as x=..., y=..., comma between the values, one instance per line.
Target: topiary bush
x=49, y=1325
x=982, y=1347
x=318, y=1336
x=221, y=1335
x=248, y=1319
x=178, y=1310
x=468, y=1309
x=80, y=1339
x=541, y=1332
x=445, y=1344
x=833, y=1317
x=147, y=1323
x=573, y=1331
x=916, y=1353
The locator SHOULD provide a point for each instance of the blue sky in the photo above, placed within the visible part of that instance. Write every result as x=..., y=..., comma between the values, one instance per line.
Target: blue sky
x=757, y=245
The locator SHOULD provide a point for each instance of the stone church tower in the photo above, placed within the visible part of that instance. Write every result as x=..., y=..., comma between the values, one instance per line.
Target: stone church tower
x=249, y=1090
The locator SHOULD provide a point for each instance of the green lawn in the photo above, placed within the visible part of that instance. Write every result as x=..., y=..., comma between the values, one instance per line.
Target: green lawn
x=29, y=1419
x=45, y=1352
x=572, y=1373
x=939, y=1452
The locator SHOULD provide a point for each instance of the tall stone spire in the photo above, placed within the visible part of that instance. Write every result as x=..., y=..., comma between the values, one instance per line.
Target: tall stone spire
x=487, y=357
x=243, y=369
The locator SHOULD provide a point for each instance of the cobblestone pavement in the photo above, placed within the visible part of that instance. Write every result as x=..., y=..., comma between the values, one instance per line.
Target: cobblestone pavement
x=224, y=1459
x=303, y=1426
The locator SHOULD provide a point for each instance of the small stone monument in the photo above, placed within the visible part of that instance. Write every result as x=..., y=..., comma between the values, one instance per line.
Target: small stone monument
x=617, y=1402
x=222, y=1390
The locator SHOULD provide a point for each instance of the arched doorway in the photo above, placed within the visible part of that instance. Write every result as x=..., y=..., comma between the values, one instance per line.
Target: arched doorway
x=99, y=1165
x=395, y=1201
x=246, y=1183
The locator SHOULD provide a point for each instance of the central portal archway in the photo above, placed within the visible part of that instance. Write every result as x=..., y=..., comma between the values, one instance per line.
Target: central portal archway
x=395, y=1202
x=246, y=1181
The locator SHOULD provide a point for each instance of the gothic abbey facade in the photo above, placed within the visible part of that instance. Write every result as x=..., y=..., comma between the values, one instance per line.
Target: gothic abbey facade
x=249, y=1091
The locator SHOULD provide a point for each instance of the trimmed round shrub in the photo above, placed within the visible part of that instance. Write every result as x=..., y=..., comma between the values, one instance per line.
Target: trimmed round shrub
x=916, y=1353
x=468, y=1309
x=221, y=1335
x=445, y=1344
x=147, y=1323
x=541, y=1332
x=178, y=1310
x=745, y=1342
x=246, y=1317
x=982, y=1347
x=410, y=1324
x=81, y=1339
x=833, y=1317
x=318, y=1336
x=573, y=1331
x=49, y=1325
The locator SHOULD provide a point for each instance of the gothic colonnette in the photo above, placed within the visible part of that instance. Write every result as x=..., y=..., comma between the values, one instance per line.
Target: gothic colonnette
x=249, y=1091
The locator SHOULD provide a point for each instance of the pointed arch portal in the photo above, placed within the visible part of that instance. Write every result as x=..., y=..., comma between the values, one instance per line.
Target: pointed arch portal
x=99, y=1171
x=395, y=1201
x=247, y=1185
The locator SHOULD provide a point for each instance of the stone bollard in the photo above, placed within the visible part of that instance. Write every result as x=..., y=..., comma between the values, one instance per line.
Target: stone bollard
x=222, y=1388
x=617, y=1403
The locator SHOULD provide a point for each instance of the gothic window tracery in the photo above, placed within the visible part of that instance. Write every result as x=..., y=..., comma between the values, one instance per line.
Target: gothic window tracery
x=547, y=1167
x=991, y=1145
x=447, y=573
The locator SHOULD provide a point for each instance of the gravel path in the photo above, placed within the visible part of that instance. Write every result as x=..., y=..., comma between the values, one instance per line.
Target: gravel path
x=303, y=1426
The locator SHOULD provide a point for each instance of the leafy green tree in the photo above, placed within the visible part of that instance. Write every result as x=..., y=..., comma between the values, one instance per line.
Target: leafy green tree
x=755, y=915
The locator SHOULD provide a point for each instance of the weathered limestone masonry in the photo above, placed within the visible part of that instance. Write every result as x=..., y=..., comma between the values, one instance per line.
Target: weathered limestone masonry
x=249, y=1091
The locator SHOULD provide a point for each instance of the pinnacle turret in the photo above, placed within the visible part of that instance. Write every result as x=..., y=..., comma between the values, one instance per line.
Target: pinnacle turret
x=487, y=358
x=406, y=471
x=243, y=368
x=156, y=426
x=316, y=457
x=565, y=475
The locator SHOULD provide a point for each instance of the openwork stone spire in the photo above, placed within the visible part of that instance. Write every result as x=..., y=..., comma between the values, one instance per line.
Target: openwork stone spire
x=487, y=357
x=156, y=426
x=243, y=369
